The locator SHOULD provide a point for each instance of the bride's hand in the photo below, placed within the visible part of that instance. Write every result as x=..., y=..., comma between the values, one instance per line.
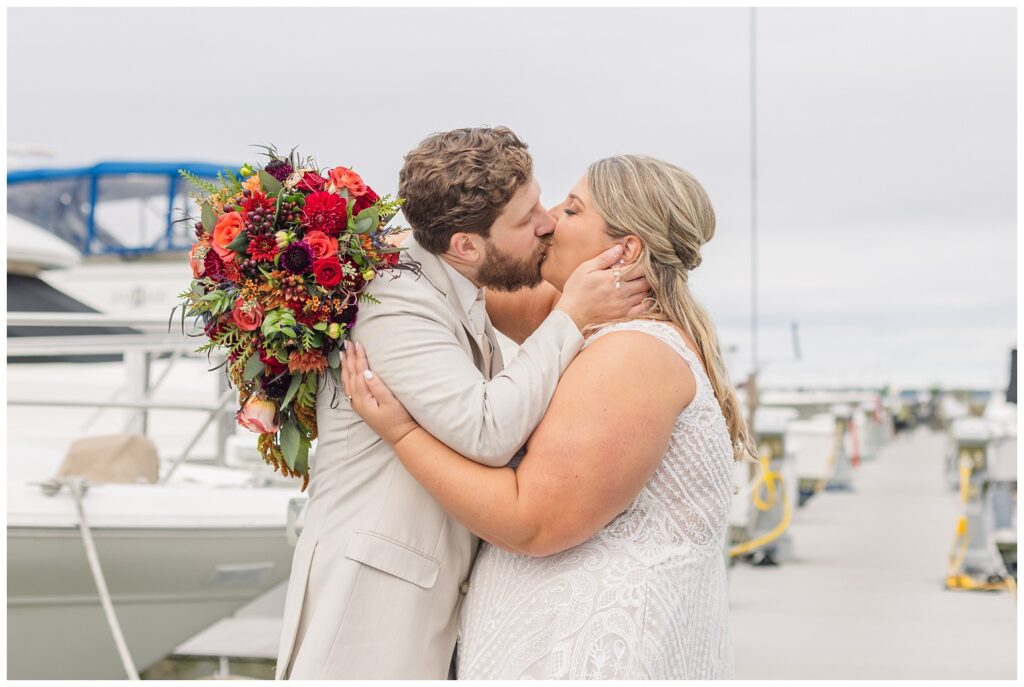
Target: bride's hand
x=371, y=399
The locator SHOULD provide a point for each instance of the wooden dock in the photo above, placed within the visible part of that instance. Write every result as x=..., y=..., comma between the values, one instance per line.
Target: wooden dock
x=865, y=599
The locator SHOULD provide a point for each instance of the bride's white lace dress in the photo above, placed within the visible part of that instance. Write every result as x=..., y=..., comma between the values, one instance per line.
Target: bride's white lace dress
x=645, y=597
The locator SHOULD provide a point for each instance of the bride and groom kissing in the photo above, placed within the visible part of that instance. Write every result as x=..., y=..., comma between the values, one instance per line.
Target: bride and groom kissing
x=558, y=515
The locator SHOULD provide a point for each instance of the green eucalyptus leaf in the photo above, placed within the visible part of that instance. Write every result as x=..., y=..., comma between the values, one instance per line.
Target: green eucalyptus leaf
x=292, y=388
x=289, y=332
x=253, y=367
x=320, y=326
x=209, y=219
x=290, y=443
x=334, y=358
x=269, y=183
x=367, y=220
x=364, y=225
x=241, y=243
x=336, y=373
x=302, y=459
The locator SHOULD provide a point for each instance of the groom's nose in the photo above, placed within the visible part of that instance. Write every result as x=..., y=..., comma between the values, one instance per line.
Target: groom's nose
x=546, y=225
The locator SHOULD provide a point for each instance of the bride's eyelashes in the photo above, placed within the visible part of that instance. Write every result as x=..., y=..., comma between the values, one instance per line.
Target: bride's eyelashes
x=569, y=213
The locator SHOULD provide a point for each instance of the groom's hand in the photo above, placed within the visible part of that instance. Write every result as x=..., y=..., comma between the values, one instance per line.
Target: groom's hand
x=591, y=297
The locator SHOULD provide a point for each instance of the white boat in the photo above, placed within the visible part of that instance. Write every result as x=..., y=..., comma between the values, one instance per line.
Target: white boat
x=174, y=555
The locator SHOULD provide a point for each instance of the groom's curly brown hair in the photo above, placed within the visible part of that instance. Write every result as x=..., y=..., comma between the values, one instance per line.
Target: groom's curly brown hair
x=460, y=181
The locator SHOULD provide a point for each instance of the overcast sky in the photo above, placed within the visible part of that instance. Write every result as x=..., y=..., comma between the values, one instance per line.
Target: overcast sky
x=886, y=140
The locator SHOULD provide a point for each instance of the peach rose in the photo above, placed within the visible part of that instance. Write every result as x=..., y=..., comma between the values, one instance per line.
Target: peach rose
x=258, y=416
x=229, y=226
x=252, y=184
x=323, y=245
x=343, y=177
x=248, y=318
x=197, y=258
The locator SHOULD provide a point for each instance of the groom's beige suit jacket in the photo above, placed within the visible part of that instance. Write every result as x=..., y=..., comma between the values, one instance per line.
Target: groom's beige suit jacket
x=380, y=569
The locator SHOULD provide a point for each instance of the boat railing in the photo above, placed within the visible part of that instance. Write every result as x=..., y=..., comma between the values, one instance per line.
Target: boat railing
x=138, y=350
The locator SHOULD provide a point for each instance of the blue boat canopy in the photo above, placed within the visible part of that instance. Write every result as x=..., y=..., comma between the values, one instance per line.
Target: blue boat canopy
x=118, y=208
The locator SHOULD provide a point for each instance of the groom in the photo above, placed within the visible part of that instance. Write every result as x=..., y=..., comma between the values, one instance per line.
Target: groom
x=379, y=570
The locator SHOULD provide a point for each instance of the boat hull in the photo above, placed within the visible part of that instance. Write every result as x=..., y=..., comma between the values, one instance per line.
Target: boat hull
x=166, y=585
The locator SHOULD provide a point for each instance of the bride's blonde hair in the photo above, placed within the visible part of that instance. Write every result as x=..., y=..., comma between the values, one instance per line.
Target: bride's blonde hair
x=669, y=211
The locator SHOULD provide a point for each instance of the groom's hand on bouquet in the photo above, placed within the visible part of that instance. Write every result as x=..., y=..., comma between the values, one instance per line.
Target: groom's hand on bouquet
x=603, y=289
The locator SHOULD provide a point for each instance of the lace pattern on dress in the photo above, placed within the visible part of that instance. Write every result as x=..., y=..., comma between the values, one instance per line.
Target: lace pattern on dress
x=645, y=597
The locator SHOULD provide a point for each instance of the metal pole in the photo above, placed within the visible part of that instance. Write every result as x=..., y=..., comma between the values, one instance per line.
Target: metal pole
x=753, y=185
x=225, y=426
x=136, y=366
x=752, y=382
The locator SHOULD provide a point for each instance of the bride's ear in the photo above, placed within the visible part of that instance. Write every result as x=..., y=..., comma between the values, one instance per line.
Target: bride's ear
x=632, y=249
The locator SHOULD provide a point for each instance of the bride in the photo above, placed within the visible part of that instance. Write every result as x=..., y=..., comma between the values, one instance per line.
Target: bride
x=603, y=549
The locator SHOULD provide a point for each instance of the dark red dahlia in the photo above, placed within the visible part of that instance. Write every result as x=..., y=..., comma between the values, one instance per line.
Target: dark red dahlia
x=364, y=201
x=325, y=212
x=297, y=258
x=279, y=169
x=263, y=248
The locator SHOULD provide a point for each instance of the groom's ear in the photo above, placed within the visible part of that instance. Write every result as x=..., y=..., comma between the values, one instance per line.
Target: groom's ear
x=465, y=247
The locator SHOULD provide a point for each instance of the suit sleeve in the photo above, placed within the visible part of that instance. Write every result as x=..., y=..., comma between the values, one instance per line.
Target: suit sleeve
x=410, y=343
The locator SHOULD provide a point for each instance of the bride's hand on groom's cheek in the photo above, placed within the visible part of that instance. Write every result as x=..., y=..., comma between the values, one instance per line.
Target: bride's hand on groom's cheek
x=604, y=289
x=371, y=398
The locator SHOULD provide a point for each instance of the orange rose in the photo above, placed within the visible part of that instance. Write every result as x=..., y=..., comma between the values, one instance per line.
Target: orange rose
x=343, y=177
x=323, y=245
x=229, y=226
x=248, y=319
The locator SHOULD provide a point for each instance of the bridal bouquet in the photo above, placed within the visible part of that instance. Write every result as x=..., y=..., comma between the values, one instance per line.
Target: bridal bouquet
x=282, y=256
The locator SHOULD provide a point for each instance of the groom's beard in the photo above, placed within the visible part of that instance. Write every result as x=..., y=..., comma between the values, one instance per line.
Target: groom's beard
x=503, y=272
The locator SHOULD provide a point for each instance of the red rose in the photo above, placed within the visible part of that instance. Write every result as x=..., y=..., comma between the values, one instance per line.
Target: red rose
x=327, y=271
x=364, y=201
x=274, y=366
x=312, y=182
x=392, y=258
